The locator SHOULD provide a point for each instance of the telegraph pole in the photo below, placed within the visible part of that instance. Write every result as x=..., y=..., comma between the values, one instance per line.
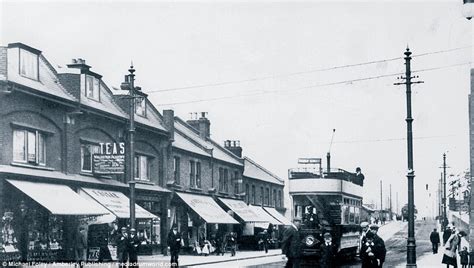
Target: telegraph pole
x=381, y=202
x=445, y=216
x=391, y=216
x=411, y=244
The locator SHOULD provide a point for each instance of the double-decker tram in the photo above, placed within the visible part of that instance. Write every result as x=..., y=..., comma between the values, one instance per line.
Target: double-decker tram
x=326, y=201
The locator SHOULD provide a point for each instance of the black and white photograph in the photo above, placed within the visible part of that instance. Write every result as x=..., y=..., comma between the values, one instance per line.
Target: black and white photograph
x=236, y=133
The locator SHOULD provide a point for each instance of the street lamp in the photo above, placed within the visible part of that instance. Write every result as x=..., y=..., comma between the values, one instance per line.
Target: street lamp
x=411, y=245
x=134, y=93
x=468, y=9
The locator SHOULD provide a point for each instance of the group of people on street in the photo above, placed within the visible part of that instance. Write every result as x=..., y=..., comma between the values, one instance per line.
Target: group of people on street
x=128, y=244
x=372, y=247
x=452, y=244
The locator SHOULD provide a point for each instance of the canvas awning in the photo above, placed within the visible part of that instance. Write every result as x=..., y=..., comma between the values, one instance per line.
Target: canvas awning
x=117, y=203
x=277, y=215
x=207, y=208
x=242, y=210
x=58, y=199
x=268, y=218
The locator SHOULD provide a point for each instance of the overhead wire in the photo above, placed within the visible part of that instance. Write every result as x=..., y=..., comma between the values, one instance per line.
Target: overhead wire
x=350, y=81
x=300, y=72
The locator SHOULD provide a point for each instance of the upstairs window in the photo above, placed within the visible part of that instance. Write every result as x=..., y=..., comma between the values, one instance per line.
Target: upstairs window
x=140, y=107
x=87, y=152
x=254, y=195
x=198, y=175
x=247, y=193
x=226, y=180
x=29, y=147
x=142, y=168
x=92, y=88
x=192, y=174
x=267, y=196
x=176, y=167
x=274, y=202
x=221, y=179
x=261, y=195
x=29, y=64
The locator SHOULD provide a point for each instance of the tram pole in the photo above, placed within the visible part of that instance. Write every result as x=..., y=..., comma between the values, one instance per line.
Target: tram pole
x=411, y=243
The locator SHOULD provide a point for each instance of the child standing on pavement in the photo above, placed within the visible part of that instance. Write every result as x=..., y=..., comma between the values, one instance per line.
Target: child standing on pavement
x=464, y=257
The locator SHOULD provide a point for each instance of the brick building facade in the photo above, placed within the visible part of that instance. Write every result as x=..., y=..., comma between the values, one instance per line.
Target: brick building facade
x=52, y=123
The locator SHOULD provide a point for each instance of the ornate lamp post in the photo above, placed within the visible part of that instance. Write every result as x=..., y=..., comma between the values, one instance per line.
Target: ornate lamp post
x=134, y=93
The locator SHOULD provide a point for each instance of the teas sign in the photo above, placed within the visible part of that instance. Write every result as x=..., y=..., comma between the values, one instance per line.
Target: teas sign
x=110, y=160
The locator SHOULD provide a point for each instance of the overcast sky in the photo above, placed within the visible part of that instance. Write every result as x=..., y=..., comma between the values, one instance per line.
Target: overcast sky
x=280, y=109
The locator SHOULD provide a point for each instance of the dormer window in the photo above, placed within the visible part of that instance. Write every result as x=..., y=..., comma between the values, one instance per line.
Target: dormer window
x=92, y=88
x=140, y=107
x=29, y=64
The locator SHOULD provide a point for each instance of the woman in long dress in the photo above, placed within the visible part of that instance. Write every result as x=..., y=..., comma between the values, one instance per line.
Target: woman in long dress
x=452, y=245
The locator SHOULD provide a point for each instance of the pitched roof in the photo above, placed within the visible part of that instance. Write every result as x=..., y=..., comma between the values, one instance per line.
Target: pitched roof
x=218, y=152
x=255, y=171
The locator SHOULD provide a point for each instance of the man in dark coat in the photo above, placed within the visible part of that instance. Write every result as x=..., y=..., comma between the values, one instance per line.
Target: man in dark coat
x=328, y=252
x=446, y=234
x=434, y=238
x=371, y=253
x=133, y=244
x=174, y=242
x=122, y=247
x=379, y=241
x=81, y=246
x=291, y=244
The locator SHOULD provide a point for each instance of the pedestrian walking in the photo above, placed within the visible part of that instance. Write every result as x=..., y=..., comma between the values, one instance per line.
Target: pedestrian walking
x=133, y=244
x=435, y=240
x=291, y=244
x=380, y=243
x=365, y=228
x=464, y=256
x=122, y=247
x=451, y=246
x=446, y=234
x=328, y=252
x=81, y=246
x=232, y=243
x=371, y=253
x=175, y=242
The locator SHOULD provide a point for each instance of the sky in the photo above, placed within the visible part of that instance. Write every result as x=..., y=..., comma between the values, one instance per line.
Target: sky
x=261, y=70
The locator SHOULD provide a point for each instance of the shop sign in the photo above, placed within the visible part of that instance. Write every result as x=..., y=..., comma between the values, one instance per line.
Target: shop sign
x=111, y=159
x=93, y=254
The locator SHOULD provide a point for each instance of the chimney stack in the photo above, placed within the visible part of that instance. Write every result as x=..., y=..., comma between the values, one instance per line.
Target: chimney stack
x=234, y=147
x=168, y=118
x=202, y=125
x=79, y=64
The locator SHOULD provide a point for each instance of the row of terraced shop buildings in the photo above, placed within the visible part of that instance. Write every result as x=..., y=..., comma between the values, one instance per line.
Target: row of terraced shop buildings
x=52, y=123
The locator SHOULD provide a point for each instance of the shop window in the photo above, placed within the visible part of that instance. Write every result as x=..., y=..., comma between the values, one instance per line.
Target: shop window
x=140, y=107
x=29, y=64
x=176, y=168
x=29, y=147
x=142, y=168
x=92, y=88
x=87, y=150
x=198, y=174
x=192, y=174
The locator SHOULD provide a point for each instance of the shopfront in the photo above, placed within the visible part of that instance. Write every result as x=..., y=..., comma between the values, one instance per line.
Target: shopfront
x=200, y=217
x=104, y=230
x=40, y=220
